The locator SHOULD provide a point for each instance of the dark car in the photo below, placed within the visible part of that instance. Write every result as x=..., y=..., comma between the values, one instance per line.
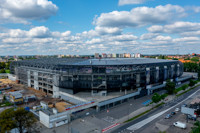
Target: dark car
x=192, y=117
x=173, y=113
x=184, y=105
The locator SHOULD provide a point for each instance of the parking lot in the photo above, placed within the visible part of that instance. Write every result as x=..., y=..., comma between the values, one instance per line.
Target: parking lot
x=161, y=124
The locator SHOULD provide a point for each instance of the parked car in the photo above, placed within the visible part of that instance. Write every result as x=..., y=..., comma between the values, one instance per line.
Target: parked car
x=87, y=113
x=173, y=113
x=180, y=124
x=168, y=116
x=184, y=105
x=192, y=117
x=177, y=110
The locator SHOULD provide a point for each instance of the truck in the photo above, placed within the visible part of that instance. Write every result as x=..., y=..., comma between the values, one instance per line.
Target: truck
x=180, y=124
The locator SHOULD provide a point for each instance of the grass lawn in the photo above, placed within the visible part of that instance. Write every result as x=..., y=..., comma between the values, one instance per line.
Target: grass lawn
x=5, y=104
x=137, y=116
x=7, y=71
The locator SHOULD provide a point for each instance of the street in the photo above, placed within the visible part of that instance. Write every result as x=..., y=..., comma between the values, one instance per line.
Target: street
x=148, y=120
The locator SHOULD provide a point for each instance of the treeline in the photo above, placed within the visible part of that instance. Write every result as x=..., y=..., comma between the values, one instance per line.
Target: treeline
x=191, y=67
x=4, y=67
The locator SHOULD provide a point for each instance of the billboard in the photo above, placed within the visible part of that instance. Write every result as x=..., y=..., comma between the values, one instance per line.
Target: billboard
x=188, y=111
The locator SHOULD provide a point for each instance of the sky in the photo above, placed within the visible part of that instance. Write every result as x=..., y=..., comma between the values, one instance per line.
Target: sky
x=83, y=27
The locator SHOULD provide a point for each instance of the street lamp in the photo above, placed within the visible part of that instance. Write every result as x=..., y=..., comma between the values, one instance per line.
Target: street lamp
x=129, y=109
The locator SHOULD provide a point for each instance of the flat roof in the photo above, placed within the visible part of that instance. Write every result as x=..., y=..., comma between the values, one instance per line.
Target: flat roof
x=94, y=62
x=16, y=94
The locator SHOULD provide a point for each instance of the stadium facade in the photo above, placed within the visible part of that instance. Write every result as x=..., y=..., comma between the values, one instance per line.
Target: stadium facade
x=98, y=76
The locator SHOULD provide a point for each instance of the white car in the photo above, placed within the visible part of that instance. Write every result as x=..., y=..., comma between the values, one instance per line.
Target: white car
x=180, y=124
x=177, y=110
x=87, y=113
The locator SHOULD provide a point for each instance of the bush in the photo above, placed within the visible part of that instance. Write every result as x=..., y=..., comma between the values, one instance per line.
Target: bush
x=163, y=96
x=185, y=86
x=2, y=71
x=156, y=98
x=192, y=83
x=170, y=87
x=181, y=88
x=7, y=71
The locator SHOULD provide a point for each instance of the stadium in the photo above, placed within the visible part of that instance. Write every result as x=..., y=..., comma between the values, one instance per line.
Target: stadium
x=98, y=76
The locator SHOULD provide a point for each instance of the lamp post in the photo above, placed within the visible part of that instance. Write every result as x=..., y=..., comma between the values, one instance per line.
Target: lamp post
x=129, y=109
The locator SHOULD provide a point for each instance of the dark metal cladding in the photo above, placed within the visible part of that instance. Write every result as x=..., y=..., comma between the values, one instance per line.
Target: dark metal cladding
x=112, y=74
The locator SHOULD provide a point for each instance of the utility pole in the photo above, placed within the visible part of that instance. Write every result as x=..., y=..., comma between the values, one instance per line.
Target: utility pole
x=129, y=109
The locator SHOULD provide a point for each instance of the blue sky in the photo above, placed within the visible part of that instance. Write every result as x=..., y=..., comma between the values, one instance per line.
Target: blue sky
x=106, y=26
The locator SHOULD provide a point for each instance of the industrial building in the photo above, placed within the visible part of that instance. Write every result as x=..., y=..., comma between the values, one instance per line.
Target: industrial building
x=98, y=76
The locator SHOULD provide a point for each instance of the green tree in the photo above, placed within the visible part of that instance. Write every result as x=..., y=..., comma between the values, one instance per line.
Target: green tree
x=161, y=57
x=23, y=119
x=156, y=98
x=191, y=67
x=2, y=65
x=195, y=59
x=192, y=83
x=20, y=119
x=7, y=65
x=6, y=120
x=2, y=71
x=170, y=87
x=196, y=128
x=198, y=71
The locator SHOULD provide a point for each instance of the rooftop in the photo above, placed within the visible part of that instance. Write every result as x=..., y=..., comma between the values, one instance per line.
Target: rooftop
x=16, y=94
x=93, y=62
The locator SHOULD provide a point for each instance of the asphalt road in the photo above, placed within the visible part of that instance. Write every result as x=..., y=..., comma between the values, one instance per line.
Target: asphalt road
x=124, y=127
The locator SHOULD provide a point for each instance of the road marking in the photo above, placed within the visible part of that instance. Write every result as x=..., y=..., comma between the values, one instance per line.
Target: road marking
x=109, y=119
x=146, y=121
x=110, y=127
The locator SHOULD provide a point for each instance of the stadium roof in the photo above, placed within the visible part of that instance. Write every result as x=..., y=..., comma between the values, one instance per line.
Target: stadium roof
x=93, y=62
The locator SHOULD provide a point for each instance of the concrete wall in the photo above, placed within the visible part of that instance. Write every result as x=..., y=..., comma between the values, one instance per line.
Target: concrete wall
x=71, y=98
x=29, y=78
x=44, y=119
x=119, y=98
x=69, y=91
x=55, y=91
x=35, y=74
x=54, y=120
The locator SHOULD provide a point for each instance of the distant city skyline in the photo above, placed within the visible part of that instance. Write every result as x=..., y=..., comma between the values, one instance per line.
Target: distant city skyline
x=52, y=27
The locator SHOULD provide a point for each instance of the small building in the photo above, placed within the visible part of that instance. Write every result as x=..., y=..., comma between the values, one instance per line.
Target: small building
x=16, y=97
x=114, y=55
x=30, y=98
x=96, y=55
x=103, y=55
x=51, y=117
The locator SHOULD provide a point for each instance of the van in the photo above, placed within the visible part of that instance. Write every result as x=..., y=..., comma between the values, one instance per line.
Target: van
x=180, y=124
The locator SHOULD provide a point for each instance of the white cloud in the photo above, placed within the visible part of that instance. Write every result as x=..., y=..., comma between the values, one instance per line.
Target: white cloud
x=39, y=32
x=186, y=39
x=128, y=2
x=93, y=41
x=140, y=16
x=176, y=27
x=19, y=11
x=123, y=38
x=155, y=28
x=182, y=28
x=147, y=36
x=162, y=38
